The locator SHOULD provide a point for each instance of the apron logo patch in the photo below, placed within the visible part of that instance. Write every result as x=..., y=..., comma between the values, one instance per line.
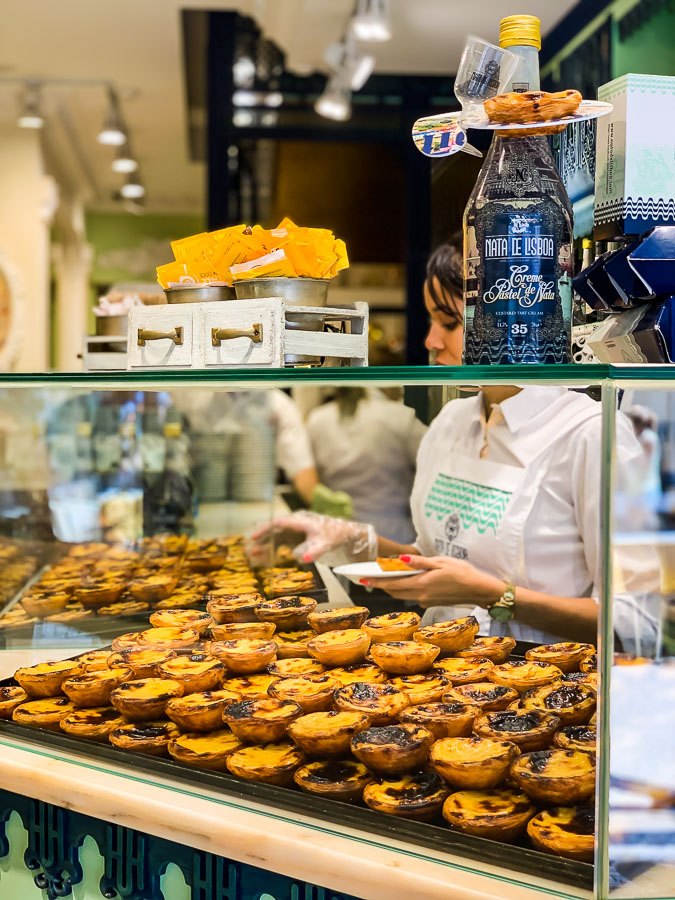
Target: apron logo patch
x=452, y=526
x=468, y=502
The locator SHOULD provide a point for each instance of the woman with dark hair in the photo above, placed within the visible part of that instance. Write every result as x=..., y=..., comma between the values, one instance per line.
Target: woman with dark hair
x=443, y=298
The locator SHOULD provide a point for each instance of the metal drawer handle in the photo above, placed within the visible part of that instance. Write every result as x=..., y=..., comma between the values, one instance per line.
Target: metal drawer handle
x=255, y=333
x=145, y=334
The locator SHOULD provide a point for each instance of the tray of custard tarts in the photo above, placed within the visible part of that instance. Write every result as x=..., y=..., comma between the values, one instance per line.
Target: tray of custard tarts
x=437, y=736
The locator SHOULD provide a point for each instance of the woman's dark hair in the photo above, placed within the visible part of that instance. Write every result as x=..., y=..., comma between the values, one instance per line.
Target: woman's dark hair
x=347, y=399
x=446, y=265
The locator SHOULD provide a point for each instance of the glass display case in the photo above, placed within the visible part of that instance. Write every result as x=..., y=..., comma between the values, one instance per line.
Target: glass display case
x=114, y=472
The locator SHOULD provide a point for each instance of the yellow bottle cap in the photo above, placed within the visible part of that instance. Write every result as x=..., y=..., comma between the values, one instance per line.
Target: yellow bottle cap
x=519, y=30
x=172, y=429
x=587, y=244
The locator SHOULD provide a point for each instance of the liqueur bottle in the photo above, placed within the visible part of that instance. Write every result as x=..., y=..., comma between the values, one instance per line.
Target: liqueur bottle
x=518, y=239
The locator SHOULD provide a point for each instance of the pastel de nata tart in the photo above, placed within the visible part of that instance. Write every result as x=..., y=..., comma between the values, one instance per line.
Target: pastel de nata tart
x=418, y=796
x=555, y=777
x=74, y=612
x=142, y=662
x=577, y=737
x=314, y=693
x=205, y=751
x=500, y=814
x=530, y=729
x=93, y=596
x=564, y=831
x=382, y=703
x=427, y=687
x=391, y=749
x=590, y=679
x=152, y=738
x=250, y=687
x=497, y=649
x=167, y=638
x=95, y=723
x=572, y=703
x=457, y=634
x=245, y=656
x=327, y=733
x=365, y=672
x=145, y=700
x=226, y=608
x=154, y=587
x=338, y=779
x=196, y=671
x=473, y=763
x=293, y=644
x=289, y=668
x=44, y=713
x=620, y=659
x=287, y=613
x=393, y=626
x=340, y=648
x=566, y=655
x=346, y=617
x=269, y=763
x=11, y=696
x=261, y=721
x=42, y=605
x=94, y=688
x=181, y=618
x=123, y=608
x=461, y=670
x=523, y=674
x=201, y=711
x=404, y=657
x=126, y=641
x=262, y=631
x=442, y=719
x=46, y=679
x=488, y=697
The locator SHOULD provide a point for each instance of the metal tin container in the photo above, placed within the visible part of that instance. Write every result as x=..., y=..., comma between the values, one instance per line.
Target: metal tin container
x=295, y=291
x=207, y=293
x=111, y=326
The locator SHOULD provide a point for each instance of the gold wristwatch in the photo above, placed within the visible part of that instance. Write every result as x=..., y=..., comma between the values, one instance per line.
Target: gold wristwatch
x=502, y=610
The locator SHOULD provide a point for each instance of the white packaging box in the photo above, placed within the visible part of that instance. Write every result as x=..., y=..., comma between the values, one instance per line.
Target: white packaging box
x=635, y=162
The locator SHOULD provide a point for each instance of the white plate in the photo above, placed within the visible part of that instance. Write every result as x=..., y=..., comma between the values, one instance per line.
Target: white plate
x=356, y=571
x=588, y=109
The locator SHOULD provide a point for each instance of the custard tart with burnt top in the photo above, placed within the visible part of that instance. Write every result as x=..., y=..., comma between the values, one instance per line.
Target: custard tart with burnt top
x=46, y=679
x=341, y=619
x=339, y=648
x=181, y=618
x=143, y=662
x=590, y=679
x=126, y=641
x=11, y=696
x=338, y=779
x=393, y=626
x=530, y=729
x=227, y=608
x=250, y=687
x=464, y=671
x=94, y=688
x=572, y=703
x=523, y=674
x=451, y=636
x=144, y=737
x=262, y=631
x=205, y=751
x=392, y=749
x=443, y=719
x=555, y=777
x=497, y=649
x=167, y=638
x=291, y=668
x=269, y=763
x=44, y=713
x=293, y=644
x=327, y=733
x=417, y=796
x=382, y=703
x=145, y=700
x=95, y=724
x=488, y=697
x=151, y=588
x=314, y=693
x=261, y=721
x=202, y=711
x=424, y=688
x=95, y=661
x=500, y=815
x=564, y=831
x=404, y=657
x=566, y=655
x=196, y=671
x=366, y=672
x=287, y=612
x=244, y=656
x=473, y=763
x=577, y=737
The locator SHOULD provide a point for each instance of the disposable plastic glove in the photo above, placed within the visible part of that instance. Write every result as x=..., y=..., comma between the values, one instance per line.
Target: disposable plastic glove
x=331, y=541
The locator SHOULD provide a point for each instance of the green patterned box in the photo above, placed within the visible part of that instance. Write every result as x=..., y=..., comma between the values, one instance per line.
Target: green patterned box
x=635, y=165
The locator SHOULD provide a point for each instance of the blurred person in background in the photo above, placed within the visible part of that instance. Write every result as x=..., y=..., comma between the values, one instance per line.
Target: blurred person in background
x=444, y=301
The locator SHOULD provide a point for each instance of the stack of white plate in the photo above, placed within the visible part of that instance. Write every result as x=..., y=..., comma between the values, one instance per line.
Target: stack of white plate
x=252, y=474
x=211, y=463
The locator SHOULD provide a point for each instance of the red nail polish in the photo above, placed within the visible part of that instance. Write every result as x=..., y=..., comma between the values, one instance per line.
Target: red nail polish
x=405, y=558
x=307, y=557
x=364, y=582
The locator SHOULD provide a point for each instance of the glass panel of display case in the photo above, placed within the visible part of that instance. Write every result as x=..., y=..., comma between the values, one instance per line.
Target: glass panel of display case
x=639, y=729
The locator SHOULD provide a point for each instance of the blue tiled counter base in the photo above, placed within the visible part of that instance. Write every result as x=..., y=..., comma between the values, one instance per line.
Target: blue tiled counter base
x=50, y=852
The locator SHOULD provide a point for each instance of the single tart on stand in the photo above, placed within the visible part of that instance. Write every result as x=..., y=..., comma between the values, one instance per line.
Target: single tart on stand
x=500, y=815
x=523, y=674
x=488, y=697
x=145, y=737
x=205, y=751
x=558, y=777
x=451, y=636
x=245, y=656
x=417, y=796
x=572, y=703
x=346, y=617
x=497, y=649
x=95, y=723
x=564, y=831
x=465, y=671
x=340, y=648
x=530, y=729
x=227, y=608
x=269, y=763
x=336, y=779
x=314, y=693
x=424, y=688
x=287, y=613
x=442, y=719
x=473, y=763
x=392, y=749
x=145, y=700
x=404, y=657
x=261, y=721
x=394, y=626
x=566, y=655
x=202, y=711
x=46, y=679
x=382, y=703
x=327, y=733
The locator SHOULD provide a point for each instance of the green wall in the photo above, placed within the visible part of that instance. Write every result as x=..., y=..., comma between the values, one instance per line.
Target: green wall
x=650, y=50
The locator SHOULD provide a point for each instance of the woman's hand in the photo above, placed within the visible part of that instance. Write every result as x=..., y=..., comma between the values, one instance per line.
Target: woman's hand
x=445, y=582
x=335, y=540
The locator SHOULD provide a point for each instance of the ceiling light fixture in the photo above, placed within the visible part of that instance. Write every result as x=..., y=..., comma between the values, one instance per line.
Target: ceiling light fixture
x=132, y=189
x=31, y=107
x=355, y=68
x=113, y=133
x=243, y=72
x=124, y=161
x=371, y=21
x=336, y=101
